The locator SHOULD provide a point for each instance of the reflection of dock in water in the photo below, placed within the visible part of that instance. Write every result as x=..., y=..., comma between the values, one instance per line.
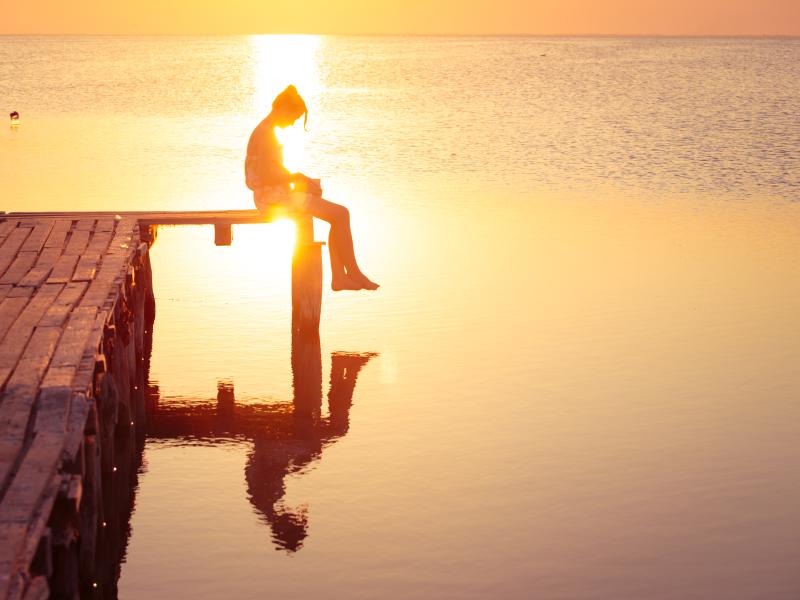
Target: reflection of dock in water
x=76, y=315
x=287, y=437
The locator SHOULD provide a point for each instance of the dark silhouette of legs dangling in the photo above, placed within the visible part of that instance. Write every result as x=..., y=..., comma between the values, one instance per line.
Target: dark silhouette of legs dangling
x=346, y=273
x=344, y=372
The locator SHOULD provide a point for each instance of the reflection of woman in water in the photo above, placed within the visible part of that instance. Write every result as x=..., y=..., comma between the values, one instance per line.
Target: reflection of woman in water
x=279, y=453
x=272, y=185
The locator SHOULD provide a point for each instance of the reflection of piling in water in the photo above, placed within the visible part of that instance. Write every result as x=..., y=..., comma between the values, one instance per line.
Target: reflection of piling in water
x=306, y=375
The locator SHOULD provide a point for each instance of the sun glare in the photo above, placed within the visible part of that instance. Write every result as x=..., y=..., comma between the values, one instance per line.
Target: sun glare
x=266, y=249
x=278, y=61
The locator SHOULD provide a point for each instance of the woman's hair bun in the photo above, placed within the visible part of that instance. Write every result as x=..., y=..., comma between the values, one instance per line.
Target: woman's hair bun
x=291, y=100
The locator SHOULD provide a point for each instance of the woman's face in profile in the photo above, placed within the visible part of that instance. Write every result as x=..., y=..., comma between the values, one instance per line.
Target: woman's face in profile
x=286, y=118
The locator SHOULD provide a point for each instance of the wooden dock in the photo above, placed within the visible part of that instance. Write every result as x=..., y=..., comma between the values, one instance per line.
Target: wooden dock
x=76, y=316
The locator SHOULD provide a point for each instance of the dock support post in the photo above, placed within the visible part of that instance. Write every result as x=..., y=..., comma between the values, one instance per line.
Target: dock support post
x=223, y=234
x=306, y=278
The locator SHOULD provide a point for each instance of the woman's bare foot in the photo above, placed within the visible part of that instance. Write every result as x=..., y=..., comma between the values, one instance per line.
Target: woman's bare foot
x=343, y=282
x=366, y=282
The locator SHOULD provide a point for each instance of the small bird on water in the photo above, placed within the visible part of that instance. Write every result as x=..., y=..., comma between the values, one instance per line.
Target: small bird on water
x=14, y=118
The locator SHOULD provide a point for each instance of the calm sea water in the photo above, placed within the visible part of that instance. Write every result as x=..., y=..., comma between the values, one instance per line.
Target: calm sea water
x=579, y=378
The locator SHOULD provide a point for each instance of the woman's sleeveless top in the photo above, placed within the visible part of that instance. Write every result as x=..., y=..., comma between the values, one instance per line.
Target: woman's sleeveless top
x=263, y=165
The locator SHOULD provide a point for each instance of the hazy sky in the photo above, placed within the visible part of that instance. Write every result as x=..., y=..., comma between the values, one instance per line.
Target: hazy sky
x=637, y=17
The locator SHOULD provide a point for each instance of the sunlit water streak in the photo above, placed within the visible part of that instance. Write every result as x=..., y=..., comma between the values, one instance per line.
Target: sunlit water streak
x=587, y=336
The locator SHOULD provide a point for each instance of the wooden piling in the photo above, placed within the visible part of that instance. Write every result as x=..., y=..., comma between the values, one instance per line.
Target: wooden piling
x=306, y=278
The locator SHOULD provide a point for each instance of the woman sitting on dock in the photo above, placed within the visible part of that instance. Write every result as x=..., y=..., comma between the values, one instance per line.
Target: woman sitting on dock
x=274, y=185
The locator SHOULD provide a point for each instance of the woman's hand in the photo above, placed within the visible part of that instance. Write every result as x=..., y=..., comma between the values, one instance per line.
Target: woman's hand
x=303, y=183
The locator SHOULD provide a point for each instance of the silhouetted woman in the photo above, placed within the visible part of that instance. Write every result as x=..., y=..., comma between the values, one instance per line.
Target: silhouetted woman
x=272, y=185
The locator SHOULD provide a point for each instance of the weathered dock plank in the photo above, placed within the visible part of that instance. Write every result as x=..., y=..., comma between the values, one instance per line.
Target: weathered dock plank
x=7, y=227
x=73, y=342
x=19, y=397
x=10, y=309
x=85, y=224
x=86, y=267
x=36, y=240
x=15, y=341
x=77, y=241
x=58, y=312
x=63, y=268
x=14, y=240
x=41, y=270
x=100, y=242
x=105, y=224
x=19, y=268
x=10, y=246
x=58, y=235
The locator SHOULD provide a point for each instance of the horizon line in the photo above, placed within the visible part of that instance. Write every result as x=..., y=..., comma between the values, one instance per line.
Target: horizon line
x=538, y=35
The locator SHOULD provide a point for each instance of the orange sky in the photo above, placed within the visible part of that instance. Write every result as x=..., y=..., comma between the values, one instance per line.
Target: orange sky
x=636, y=17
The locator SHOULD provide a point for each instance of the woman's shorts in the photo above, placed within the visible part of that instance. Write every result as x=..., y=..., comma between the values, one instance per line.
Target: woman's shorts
x=267, y=199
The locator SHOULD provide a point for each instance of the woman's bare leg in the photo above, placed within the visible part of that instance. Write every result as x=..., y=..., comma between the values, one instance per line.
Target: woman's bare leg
x=340, y=242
